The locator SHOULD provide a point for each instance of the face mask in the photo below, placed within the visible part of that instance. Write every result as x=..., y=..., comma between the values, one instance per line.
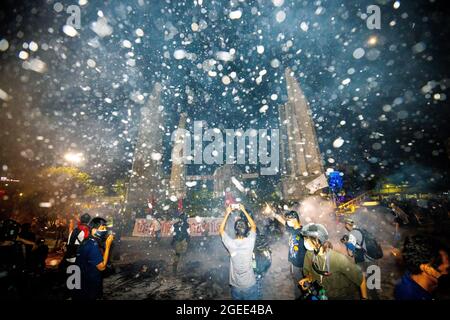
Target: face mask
x=290, y=224
x=101, y=234
x=309, y=246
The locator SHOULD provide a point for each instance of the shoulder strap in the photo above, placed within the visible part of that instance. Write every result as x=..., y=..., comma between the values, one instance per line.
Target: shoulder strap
x=74, y=236
x=328, y=261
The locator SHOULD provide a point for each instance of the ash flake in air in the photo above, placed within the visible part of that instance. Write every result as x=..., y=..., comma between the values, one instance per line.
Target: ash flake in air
x=339, y=142
x=70, y=31
x=226, y=80
x=304, y=26
x=234, y=15
x=101, y=27
x=280, y=16
x=179, y=54
x=4, y=45
x=358, y=53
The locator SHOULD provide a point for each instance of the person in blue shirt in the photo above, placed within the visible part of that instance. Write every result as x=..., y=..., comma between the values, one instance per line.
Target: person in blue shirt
x=297, y=250
x=426, y=262
x=92, y=260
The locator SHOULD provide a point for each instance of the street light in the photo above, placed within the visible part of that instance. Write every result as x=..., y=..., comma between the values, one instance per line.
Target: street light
x=74, y=158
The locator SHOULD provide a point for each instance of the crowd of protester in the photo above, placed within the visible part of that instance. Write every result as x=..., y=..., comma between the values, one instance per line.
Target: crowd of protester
x=317, y=270
x=321, y=273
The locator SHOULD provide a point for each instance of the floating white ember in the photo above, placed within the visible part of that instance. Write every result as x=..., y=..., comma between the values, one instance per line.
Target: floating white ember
x=126, y=44
x=91, y=63
x=191, y=184
x=280, y=16
x=179, y=54
x=4, y=45
x=70, y=31
x=226, y=80
x=101, y=27
x=35, y=65
x=237, y=184
x=156, y=156
x=264, y=108
x=4, y=96
x=275, y=63
x=339, y=142
x=194, y=26
x=23, y=55
x=237, y=14
x=224, y=56
x=304, y=26
x=277, y=3
x=358, y=53
x=139, y=32
x=33, y=46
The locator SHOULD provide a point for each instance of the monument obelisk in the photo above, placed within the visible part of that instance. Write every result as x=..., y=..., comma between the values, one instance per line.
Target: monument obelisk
x=177, y=184
x=147, y=177
x=301, y=162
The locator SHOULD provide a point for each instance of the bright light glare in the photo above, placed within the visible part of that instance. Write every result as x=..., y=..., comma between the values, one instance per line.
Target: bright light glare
x=75, y=158
x=373, y=40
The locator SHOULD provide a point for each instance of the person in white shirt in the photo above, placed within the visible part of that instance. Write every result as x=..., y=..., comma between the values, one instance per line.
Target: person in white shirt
x=242, y=277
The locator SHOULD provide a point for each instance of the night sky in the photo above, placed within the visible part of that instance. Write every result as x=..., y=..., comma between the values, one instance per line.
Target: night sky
x=385, y=92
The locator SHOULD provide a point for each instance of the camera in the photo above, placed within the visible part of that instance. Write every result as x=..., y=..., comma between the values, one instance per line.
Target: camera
x=344, y=239
x=312, y=291
x=235, y=206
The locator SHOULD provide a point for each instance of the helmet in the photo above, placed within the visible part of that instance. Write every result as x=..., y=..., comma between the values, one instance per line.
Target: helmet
x=85, y=218
x=349, y=221
x=241, y=228
x=315, y=230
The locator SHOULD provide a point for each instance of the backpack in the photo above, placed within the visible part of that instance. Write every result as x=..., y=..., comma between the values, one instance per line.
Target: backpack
x=72, y=247
x=85, y=229
x=373, y=249
x=262, y=255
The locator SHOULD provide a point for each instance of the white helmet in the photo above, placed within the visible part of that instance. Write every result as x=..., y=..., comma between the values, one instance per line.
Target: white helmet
x=315, y=230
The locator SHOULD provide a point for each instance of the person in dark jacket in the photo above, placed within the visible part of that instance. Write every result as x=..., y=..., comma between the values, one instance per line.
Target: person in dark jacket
x=426, y=262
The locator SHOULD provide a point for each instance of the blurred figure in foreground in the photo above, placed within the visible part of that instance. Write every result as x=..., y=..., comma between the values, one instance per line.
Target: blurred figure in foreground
x=92, y=260
x=427, y=263
x=337, y=276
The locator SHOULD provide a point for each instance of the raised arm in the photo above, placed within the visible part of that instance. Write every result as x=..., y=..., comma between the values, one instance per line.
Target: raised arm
x=224, y=222
x=279, y=218
x=102, y=265
x=249, y=218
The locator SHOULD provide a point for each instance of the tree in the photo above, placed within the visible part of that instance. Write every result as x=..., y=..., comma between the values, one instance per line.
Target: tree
x=120, y=188
x=55, y=192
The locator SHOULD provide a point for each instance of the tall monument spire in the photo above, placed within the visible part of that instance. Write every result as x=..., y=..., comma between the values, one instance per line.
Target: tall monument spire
x=301, y=159
x=147, y=178
x=178, y=174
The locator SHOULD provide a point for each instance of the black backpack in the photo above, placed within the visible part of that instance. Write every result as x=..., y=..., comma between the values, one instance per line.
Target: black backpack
x=373, y=249
x=262, y=255
x=72, y=247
